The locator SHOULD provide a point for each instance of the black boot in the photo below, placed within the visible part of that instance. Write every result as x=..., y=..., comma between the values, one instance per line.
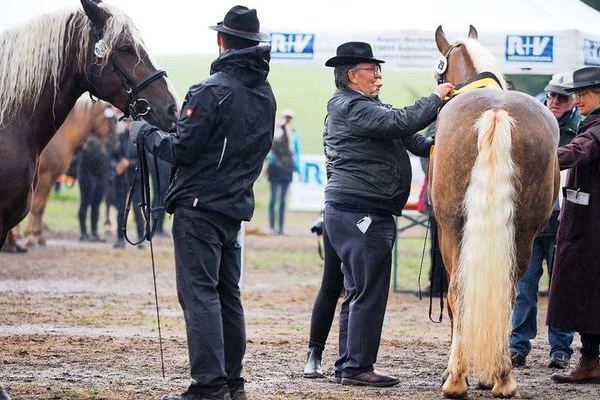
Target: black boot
x=313, y=363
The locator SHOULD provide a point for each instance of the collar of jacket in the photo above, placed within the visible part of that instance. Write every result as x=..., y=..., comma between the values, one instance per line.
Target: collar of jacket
x=249, y=65
x=482, y=80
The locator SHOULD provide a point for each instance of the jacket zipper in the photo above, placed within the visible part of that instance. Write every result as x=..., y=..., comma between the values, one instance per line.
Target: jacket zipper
x=222, y=152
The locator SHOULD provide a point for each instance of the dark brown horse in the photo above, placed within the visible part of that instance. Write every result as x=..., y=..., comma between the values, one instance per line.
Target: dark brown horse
x=493, y=178
x=45, y=66
x=85, y=119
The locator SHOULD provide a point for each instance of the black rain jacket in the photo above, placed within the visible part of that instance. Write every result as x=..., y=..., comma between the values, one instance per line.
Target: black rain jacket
x=224, y=133
x=365, y=149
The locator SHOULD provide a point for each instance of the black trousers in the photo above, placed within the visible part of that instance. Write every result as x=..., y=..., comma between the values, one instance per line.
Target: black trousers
x=207, y=263
x=332, y=285
x=590, y=345
x=122, y=186
x=91, y=188
x=438, y=277
x=366, y=265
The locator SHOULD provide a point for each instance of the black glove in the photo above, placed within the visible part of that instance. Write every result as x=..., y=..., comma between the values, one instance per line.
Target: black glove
x=317, y=227
x=138, y=128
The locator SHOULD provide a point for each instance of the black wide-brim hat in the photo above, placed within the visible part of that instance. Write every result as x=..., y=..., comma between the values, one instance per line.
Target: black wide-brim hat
x=585, y=78
x=351, y=53
x=242, y=22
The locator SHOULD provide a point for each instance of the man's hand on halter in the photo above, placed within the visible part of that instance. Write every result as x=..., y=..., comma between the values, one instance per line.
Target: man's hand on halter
x=444, y=90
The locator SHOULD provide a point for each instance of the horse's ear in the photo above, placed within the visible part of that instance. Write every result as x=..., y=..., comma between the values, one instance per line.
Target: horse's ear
x=441, y=41
x=97, y=14
x=472, y=32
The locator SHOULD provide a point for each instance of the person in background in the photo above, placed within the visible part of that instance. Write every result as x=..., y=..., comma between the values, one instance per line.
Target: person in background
x=283, y=160
x=91, y=173
x=369, y=176
x=574, y=296
x=524, y=318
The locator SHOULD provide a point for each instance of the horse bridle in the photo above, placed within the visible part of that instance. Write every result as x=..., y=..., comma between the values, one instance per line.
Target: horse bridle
x=442, y=66
x=136, y=106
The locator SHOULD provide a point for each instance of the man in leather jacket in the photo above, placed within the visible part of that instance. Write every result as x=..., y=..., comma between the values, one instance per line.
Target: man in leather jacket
x=223, y=135
x=369, y=182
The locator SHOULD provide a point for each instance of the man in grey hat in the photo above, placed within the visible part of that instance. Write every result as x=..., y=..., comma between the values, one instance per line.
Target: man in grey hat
x=369, y=176
x=223, y=135
x=524, y=318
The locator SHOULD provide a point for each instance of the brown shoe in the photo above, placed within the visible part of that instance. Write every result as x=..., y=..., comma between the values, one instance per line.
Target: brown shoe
x=369, y=378
x=587, y=371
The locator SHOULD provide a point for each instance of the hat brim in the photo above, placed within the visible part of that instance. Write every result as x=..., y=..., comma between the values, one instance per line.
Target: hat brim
x=257, y=37
x=557, y=89
x=350, y=60
x=581, y=86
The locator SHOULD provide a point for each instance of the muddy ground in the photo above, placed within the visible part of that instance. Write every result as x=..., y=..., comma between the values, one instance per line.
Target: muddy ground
x=77, y=321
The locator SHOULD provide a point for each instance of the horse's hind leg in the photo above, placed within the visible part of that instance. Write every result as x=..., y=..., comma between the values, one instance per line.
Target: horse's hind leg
x=455, y=384
x=504, y=384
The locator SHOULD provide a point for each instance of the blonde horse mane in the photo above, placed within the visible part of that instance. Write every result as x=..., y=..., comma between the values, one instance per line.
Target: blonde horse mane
x=483, y=59
x=33, y=55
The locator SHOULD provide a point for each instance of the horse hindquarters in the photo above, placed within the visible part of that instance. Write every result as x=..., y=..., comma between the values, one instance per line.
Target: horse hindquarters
x=487, y=257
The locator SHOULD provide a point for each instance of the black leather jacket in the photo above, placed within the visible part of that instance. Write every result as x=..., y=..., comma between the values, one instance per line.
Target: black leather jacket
x=365, y=149
x=223, y=135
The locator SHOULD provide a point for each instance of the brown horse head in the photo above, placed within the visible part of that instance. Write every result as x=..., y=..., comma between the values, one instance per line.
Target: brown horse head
x=119, y=70
x=464, y=58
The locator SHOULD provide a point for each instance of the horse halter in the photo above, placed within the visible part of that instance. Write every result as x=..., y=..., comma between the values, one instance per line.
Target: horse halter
x=136, y=106
x=442, y=65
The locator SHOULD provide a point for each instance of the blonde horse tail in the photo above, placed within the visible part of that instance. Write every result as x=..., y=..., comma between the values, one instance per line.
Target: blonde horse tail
x=487, y=256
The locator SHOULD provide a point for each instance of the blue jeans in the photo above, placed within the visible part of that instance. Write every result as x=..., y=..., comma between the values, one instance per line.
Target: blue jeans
x=278, y=194
x=524, y=317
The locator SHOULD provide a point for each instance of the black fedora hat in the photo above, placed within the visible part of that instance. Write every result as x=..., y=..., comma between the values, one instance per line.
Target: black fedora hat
x=585, y=78
x=242, y=22
x=351, y=53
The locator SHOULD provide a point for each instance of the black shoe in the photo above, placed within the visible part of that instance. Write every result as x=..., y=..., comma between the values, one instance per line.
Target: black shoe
x=119, y=244
x=517, y=360
x=195, y=393
x=84, y=237
x=559, y=361
x=337, y=376
x=369, y=378
x=96, y=238
x=313, y=369
x=236, y=390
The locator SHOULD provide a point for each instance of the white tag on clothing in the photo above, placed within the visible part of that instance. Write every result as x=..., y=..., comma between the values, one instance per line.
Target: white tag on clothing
x=364, y=223
x=577, y=196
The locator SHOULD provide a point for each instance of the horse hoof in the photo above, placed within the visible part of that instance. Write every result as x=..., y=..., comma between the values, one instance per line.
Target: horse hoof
x=506, y=389
x=455, y=388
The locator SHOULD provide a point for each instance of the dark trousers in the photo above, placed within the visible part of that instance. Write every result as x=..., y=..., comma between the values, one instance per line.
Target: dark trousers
x=159, y=191
x=332, y=285
x=207, y=262
x=91, y=188
x=366, y=265
x=438, y=277
x=590, y=345
x=277, y=201
x=122, y=186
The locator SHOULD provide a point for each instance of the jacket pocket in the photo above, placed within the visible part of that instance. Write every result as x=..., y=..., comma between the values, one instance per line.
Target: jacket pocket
x=222, y=152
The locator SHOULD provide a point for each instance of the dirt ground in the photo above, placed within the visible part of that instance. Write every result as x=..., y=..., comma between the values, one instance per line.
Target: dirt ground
x=77, y=321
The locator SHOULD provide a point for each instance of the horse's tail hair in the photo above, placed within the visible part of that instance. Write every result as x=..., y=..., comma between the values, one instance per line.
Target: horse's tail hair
x=487, y=257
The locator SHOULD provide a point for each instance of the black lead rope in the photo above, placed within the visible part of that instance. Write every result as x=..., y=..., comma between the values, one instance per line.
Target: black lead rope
x=433, y=267
x=150, y=216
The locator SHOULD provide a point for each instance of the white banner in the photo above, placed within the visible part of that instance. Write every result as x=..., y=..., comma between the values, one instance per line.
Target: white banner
x=306, y=192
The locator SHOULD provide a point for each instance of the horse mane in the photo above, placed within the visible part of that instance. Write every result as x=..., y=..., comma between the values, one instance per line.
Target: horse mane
x=483, y=59
x=34, y=54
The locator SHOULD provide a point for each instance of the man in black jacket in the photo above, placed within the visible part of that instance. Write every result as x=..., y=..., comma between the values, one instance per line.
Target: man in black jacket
x=369, y=182
x=223, y=135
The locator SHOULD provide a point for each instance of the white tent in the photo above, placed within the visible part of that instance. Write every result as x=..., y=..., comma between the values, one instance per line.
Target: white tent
x=526, y=36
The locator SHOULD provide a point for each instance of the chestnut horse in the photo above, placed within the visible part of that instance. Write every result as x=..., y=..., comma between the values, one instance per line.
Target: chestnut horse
x=493, y=178
x=45, y=66
x=85, y=119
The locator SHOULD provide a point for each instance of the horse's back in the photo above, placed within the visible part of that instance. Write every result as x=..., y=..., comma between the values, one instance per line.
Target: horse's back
x=534, y=139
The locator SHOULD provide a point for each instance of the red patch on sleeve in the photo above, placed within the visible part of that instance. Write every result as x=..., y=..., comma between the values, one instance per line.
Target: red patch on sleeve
x=189, y=112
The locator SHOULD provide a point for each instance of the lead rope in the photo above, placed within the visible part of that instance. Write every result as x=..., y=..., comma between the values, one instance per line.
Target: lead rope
x=150, y=216
x=433, y=266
